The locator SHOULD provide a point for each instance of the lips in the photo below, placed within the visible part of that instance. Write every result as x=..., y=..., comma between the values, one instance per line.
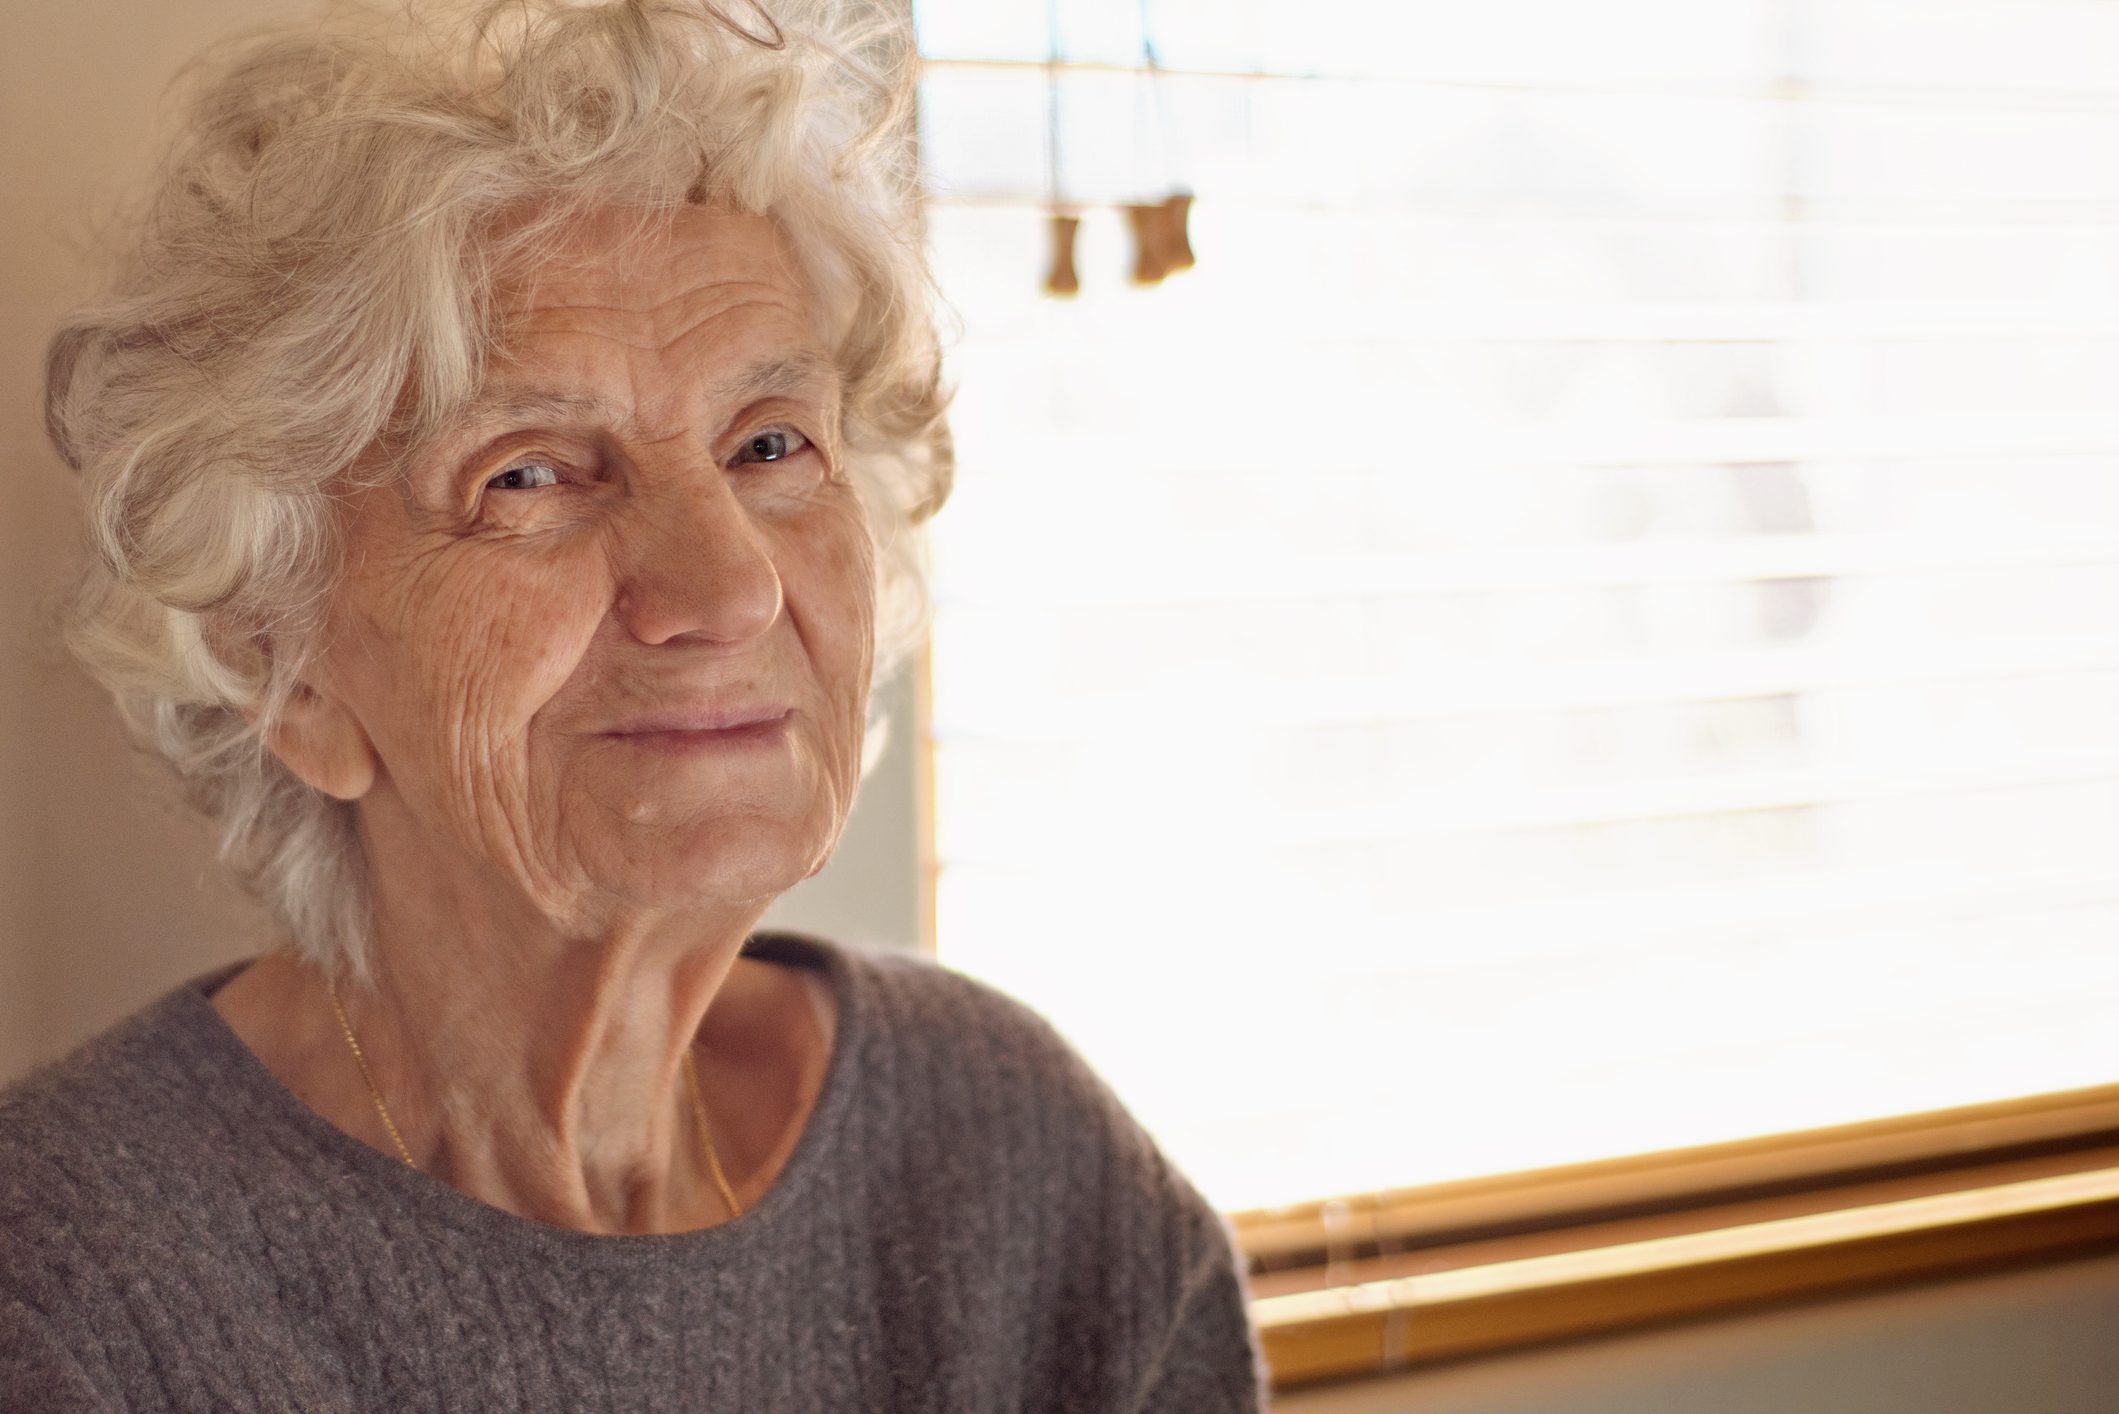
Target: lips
x=702, y=719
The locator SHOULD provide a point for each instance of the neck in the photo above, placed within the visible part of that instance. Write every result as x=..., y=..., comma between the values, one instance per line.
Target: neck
x=530, y=1049
x=548, y=1080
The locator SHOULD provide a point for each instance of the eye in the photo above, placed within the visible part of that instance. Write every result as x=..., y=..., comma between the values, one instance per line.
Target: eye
x=771, y=445
x=524, y=476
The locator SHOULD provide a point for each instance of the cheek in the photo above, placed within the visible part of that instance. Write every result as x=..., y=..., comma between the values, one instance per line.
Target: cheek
x=535, y=628
x=845, y=651
x=837, y=589
x=483, y=643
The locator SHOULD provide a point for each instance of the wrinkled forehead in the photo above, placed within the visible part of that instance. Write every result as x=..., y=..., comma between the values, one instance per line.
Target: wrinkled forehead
x=641, y=278
x=624, y=254
x=644, y=281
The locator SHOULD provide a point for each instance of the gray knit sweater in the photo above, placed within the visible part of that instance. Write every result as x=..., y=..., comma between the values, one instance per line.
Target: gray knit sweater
x=971, y=1221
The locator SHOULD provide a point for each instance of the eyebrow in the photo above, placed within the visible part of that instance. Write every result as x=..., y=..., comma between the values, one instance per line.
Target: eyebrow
x=786, y=373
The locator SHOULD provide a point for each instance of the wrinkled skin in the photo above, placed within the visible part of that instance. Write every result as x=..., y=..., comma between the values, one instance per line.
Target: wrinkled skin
x=561, y=890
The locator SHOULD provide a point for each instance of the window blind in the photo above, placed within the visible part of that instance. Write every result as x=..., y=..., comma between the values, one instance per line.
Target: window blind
x=1588, y=622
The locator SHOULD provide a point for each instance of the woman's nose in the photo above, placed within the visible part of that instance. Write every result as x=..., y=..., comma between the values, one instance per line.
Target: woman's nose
x=692, y=563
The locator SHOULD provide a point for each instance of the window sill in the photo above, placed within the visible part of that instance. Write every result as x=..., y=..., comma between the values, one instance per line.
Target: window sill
x=1396, y=1280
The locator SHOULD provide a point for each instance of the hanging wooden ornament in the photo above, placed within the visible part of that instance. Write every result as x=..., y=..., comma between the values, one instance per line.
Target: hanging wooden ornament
x=1065, y=225
x=1060, y=278
x=1176, y=237
x=1151, y=259
x=1161, y=243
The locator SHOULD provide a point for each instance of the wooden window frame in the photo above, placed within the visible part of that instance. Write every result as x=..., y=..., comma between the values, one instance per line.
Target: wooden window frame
x=1376, y=1283
x=1394, y=1281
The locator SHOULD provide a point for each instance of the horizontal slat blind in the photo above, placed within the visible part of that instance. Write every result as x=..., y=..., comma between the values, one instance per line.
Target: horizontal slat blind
x=1589, y=622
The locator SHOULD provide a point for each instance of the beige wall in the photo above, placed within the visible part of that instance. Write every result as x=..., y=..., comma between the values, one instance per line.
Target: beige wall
x=108, y=894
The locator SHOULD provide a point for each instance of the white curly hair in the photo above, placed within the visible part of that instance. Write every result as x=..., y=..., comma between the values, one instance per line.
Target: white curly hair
x=306, y=295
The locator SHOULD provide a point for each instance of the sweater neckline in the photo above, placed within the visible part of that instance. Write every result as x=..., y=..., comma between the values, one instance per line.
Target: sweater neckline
x=244, y=1080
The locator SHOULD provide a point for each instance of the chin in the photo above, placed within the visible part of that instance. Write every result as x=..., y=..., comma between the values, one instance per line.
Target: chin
x=722, y=862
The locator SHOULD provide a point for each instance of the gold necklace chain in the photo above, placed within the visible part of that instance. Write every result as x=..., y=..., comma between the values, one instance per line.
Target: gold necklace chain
x=691, y=1083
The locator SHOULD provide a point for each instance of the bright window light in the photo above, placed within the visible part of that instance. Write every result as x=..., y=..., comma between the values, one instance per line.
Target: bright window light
x=1588, y=622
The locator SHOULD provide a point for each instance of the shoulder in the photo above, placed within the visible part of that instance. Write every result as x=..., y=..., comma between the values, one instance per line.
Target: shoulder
x=997, y=1047
x=1142, y=1274
x=90, y=1106
x=993, y=1069
x=96, y=1146
x=902, y=998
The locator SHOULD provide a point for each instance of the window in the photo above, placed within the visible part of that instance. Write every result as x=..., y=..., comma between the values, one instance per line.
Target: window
x=1587, y=626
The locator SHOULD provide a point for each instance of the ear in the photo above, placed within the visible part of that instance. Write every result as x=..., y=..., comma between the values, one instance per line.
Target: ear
x=324, y=744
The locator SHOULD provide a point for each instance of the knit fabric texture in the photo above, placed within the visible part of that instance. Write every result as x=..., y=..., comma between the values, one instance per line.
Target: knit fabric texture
x=971, y=1220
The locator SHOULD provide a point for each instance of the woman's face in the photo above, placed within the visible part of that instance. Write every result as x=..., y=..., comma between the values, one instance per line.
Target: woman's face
x=643, y=534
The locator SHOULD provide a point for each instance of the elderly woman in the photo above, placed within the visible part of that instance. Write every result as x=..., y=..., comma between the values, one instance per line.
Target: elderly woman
x=504, y=453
